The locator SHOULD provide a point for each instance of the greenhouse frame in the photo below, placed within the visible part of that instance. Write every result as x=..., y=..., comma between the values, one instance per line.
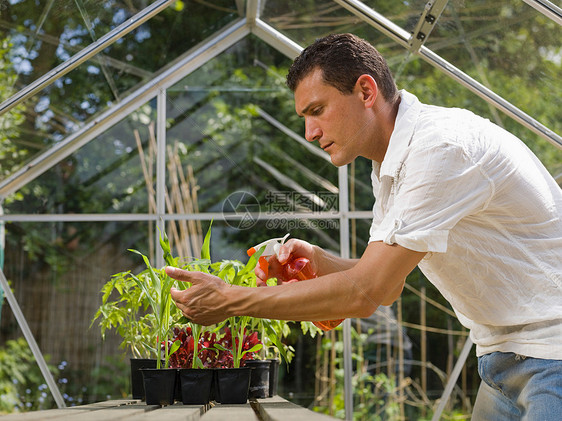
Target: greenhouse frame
x=123, y=119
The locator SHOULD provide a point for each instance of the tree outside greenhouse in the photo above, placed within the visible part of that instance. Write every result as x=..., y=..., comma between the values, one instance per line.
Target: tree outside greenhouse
x=230, y=149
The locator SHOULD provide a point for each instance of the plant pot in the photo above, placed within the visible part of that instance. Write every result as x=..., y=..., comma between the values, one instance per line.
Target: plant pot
x=259, y=378
x=233, y=385
x=195, y=385
x=137, y=385
x=273, y=376
x=159, y=385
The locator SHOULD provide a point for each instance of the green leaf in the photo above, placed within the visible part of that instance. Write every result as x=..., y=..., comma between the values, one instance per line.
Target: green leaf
x=165, y=246
x=175, y=346
x=274, y=337
x=220, y=347
x=255, y=348
x=206, y=247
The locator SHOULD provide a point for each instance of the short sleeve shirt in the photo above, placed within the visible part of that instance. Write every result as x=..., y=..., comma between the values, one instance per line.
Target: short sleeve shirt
x=489, y=215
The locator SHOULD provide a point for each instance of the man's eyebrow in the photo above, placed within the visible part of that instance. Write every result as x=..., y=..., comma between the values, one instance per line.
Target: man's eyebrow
x=307, y=108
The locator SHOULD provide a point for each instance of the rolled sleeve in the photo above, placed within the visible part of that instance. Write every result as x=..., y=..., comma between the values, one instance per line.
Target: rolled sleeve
x=420, y=240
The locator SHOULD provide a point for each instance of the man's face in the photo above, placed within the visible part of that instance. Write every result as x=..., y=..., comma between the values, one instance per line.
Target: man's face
x=334, y=119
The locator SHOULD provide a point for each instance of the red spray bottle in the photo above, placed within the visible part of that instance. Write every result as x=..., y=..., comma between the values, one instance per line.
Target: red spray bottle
x=294, y=270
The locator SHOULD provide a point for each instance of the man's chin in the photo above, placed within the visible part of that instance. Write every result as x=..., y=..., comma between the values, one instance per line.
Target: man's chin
x=339, y=161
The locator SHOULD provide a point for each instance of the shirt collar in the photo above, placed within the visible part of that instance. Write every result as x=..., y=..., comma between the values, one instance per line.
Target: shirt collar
x=408, y=112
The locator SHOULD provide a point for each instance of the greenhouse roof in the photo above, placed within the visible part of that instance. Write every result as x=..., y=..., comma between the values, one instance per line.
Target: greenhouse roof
x=109, y=108
x=76, y=67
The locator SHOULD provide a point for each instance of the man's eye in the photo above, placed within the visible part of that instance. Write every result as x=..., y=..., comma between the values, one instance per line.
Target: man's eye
x=316, y=111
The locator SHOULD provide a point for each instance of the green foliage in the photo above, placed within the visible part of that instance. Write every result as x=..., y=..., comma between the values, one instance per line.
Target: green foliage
x=156, y=285
x=236, y=273
x=127, y=314
x=11, y=152
x=377, y=395
x=22, y=387
x=143, y=312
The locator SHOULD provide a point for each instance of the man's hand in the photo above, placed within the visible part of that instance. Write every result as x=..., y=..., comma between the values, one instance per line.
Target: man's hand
x=203, y=303
x=291, y=249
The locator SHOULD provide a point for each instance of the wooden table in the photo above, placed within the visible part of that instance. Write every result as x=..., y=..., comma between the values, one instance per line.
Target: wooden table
x=270, y=409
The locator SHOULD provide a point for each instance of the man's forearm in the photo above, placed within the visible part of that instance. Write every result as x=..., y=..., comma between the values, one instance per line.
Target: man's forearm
x=333, y=296
x=330, y=263
x=355, y=291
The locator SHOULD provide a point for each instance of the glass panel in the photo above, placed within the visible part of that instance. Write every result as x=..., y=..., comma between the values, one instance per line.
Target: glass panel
x=48, y=33
x=56, y=271
x=217, y=129
x=43, y=37
x=303, y=21
x=431, y=86
x=104, y=176
x=488, y=53
x=509, y=47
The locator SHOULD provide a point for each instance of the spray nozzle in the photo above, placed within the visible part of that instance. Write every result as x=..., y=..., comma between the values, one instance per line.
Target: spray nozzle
x=272, y=247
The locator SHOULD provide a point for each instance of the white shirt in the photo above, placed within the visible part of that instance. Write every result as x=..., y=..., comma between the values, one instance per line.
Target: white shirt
x=489, y=215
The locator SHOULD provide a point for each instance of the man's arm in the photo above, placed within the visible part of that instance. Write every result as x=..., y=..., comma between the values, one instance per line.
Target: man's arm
x=377, y=278
x=321, y=261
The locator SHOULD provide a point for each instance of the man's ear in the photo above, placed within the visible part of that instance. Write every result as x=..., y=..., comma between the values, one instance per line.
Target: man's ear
x=368, y=89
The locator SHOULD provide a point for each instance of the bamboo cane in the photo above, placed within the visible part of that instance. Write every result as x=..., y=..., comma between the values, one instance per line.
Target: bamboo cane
x=188, y=206
x=183, y=246
x=149, y=190
x=361, y=360
x=150, y=165
x=194, y=190
x=174, y=237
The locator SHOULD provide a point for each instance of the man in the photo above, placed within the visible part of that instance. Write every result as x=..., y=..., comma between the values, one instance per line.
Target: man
x=459, y=196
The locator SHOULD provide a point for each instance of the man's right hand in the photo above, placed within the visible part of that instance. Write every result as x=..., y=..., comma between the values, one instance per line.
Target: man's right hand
x=292, y=249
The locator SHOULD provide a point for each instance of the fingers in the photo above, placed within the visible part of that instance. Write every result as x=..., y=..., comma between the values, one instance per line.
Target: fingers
x=260, y=273
x=184, y=275
x=295, y=247
x=175, y=294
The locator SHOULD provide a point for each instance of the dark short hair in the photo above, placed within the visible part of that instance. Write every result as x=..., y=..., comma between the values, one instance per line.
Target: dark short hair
x=342, y=59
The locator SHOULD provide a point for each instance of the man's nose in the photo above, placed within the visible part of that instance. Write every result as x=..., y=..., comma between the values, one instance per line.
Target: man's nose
x=312, y=132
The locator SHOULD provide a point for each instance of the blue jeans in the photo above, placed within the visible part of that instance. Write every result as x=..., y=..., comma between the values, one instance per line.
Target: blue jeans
x=515, y=387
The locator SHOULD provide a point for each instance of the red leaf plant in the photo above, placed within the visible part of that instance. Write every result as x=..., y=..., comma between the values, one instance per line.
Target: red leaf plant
x=210, y=356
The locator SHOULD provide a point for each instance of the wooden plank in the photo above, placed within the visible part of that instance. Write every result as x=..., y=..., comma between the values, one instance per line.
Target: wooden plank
x=111, y=413
x=176, y=412
x=222, y=412
x=74, y=411
x=279, y=409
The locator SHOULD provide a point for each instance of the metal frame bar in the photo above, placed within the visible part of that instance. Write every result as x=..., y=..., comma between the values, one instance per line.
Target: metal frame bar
x=160, y=168
x=206, y=51
x=547, y=8
x=22, y=322
x=84, y=55
x=491, y=97
x=345, y=253
x=276, y=39
x=207, y=216
x=401, y=36
x=452, y=380
x=429, y=17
